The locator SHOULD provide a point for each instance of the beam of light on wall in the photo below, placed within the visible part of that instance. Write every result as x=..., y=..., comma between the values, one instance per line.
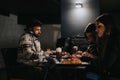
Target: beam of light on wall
x=76, y=18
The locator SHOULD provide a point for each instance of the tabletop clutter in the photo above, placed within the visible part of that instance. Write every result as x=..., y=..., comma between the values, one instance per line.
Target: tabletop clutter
x=60, y=57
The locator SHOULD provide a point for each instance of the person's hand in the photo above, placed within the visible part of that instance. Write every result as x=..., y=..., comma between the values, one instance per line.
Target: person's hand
x=49, y=51
x=86, y=54
x=34, y=56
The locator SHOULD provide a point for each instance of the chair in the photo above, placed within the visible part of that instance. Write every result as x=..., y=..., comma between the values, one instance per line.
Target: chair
x=14, y=70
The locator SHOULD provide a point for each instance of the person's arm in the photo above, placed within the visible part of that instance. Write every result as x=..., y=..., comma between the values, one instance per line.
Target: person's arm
x=26, y=44
x=91, y=52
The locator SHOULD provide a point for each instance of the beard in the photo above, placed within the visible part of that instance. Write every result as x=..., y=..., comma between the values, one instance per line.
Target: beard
x=37, y=35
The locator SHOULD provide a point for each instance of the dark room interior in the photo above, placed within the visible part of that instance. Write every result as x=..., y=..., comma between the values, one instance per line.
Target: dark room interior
x=62, y=20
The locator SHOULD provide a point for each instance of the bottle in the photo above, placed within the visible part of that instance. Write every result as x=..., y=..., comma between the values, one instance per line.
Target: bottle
x=58, y=53
x=75, y=49
x=41, y=56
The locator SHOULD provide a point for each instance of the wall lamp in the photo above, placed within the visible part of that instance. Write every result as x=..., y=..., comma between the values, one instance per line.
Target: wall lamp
x=79, y=5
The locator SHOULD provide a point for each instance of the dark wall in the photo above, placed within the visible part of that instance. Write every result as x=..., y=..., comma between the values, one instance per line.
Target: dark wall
x=10, y=31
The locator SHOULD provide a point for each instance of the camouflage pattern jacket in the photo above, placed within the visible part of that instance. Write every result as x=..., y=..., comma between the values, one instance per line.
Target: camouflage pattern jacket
x=29, y=48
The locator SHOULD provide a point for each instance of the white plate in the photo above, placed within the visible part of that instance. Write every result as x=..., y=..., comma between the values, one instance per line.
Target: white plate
x=85, y=63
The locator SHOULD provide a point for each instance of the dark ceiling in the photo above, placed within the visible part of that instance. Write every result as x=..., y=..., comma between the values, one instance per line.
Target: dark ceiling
x=48, y=11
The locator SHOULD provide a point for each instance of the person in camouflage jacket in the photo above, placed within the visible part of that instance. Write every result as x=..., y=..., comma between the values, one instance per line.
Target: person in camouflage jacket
x=29, y=44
